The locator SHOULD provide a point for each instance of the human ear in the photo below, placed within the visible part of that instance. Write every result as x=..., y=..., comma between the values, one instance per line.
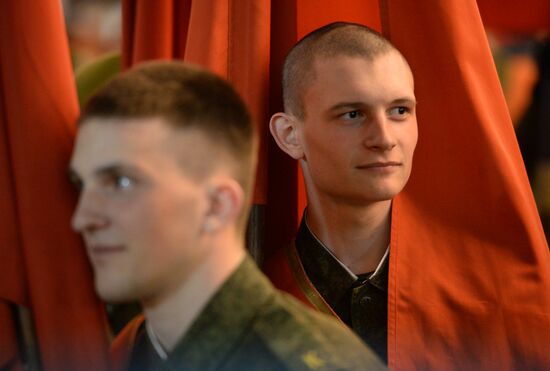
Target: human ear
x=225, y=202
x=285, y=130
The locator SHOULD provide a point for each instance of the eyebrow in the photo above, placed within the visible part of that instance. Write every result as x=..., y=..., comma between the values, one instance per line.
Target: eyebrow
x=115, y=168
x=346, y=105
x=356, y=105
x=405, y=100
x=111, y=169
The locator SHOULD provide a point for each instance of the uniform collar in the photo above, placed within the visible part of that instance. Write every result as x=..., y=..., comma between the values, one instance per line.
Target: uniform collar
x=329, y=275
x=212, y=336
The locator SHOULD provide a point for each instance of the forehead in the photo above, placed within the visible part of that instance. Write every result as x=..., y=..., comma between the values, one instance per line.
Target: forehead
x=356, y=79
x=144, y=142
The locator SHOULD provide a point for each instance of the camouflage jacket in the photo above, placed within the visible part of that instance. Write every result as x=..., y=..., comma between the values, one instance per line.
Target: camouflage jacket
x=249, y=325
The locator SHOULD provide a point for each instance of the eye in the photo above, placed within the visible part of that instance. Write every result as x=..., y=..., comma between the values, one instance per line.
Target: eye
x=75, y=180
x=352, y=115
x=399, y=113
x=117, y=182
x=123, y=182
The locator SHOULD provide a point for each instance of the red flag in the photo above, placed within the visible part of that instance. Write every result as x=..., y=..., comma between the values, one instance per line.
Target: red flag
x=469, y=267
x=43, y=264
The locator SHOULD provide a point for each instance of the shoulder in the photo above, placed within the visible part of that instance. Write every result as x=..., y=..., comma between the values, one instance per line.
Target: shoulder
x=123, y=344
x=277, y=269
x=306, y=340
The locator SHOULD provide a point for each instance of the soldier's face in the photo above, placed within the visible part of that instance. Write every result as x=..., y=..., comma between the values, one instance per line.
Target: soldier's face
x=360, y=130
x=140, y=208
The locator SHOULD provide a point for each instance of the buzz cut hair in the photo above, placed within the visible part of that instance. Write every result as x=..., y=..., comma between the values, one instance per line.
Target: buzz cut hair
x=184, y=97
x=332, y=40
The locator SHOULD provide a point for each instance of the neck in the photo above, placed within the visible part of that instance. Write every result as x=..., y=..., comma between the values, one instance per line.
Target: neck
x=357, y=235
x=171, y=317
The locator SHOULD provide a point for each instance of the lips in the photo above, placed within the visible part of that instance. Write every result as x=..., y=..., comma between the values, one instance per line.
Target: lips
x=97, y=251
x=106, y=248
x=380, y=165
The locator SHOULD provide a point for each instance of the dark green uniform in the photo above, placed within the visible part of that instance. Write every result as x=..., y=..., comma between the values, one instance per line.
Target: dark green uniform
x=360, y=301
x=248, y=325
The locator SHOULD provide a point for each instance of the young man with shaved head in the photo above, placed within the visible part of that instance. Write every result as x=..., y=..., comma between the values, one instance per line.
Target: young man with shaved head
x=349, y=119
x=164, y=160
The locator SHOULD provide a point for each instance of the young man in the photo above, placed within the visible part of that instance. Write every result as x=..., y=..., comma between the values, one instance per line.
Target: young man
x=165, y=157
x=350, y=122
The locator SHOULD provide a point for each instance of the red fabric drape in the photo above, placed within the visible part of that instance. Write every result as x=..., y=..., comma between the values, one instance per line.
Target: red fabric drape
x=469, y=275
x=42, y=263
x=470, y=268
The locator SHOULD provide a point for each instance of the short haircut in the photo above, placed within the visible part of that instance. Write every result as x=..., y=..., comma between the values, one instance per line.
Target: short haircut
x=333, y=40
x=185, y=97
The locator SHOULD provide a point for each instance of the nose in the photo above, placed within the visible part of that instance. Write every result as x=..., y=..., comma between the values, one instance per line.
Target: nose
x=88, y=215
x=379, y=134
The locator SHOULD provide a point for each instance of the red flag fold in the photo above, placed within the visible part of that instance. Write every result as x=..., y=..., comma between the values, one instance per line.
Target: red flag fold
x=43, y=265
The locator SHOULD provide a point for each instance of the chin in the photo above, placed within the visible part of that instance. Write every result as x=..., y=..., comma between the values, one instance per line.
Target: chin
x=385, y=192
x=110, y=293
x=372, y=198
x=387, y=195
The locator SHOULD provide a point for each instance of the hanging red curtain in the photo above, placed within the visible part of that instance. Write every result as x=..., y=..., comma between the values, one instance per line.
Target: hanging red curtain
x=470, y=267
x=43, y=266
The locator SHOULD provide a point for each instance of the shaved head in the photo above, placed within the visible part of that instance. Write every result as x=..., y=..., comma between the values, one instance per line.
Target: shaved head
x=333, y=40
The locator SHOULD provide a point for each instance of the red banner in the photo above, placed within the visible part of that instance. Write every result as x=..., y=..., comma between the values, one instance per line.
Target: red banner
x=43, y=265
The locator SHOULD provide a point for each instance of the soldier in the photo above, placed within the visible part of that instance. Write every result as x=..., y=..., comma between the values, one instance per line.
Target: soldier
x=164, y=158
x=350, y=121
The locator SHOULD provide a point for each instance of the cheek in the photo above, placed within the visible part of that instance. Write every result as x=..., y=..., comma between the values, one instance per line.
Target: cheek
x=155, y=219
x=321, y=160
x=409, y=138
x=166, y=237
x=327, y=147
x=176, y=218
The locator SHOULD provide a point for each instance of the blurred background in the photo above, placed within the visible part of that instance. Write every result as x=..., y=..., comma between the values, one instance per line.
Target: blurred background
x=93, y=28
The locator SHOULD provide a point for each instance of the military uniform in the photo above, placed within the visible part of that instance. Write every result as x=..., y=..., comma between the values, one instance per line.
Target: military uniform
x=360, y=301
x=248, y=325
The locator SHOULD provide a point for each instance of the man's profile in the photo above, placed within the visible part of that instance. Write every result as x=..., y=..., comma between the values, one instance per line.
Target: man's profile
x=164, y=158
x=350, y=121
